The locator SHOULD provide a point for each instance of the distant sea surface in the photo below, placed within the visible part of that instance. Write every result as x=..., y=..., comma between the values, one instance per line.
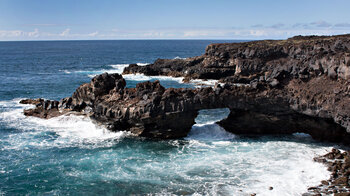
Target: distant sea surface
x=69, y=155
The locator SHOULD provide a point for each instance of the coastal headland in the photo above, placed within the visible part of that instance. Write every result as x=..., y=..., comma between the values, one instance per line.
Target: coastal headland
x=301, y=84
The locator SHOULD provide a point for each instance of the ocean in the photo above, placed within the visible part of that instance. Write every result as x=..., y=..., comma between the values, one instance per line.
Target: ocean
x=70, y=155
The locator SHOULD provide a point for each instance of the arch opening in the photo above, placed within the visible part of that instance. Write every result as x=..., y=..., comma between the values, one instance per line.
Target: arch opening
x=206, y=128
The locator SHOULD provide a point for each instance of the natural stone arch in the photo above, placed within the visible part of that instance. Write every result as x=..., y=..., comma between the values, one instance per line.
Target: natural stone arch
x=150, y=110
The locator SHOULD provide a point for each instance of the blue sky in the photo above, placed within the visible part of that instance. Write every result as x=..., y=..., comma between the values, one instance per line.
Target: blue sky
x=171, y=19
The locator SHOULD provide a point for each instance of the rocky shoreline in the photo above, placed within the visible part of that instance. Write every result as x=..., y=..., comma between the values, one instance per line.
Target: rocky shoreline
x=301, y=84
x=296, y=85
x=338, y=164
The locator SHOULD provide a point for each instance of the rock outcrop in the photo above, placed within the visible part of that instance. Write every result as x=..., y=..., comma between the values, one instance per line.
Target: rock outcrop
x=295, y=85
x=297, y=57
x=338, y=164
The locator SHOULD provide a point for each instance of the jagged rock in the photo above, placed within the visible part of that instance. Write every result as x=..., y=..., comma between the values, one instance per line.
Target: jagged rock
x=339, y=180
x=295, y=85
x=297, y=57
x=43, y=109
x=31, y=101
x=341, y=194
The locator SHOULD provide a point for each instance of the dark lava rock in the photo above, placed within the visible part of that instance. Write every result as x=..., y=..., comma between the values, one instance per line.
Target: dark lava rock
x=301, y=57
x=339, y=180
x=312, y=73
x=295, y=85
x=324, y=182
x=341, y=194
x=31, y=101
x=43, y=109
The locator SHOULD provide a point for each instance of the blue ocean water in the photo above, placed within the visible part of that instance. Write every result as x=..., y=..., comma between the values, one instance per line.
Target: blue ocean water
x=69, y=155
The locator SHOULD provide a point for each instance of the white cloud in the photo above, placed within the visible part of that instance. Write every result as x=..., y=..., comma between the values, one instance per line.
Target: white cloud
x=9, y=34
x=277, y=31
x=19, y=34
x=94, y=34
x=35, y=33
x=220, y=33
x=65, y=33
x=257, y=33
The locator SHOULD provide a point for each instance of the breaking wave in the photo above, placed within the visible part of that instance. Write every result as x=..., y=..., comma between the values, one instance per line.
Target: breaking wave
x=119, y=68
x=62, y=131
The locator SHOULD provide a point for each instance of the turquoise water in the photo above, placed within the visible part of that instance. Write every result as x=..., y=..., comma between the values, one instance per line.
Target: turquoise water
x=70, y=155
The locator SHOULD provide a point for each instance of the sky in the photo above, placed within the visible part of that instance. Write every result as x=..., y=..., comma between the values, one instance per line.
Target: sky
x=170, y=19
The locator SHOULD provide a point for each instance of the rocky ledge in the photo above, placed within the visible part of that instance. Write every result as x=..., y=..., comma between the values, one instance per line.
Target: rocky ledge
x=295, y=85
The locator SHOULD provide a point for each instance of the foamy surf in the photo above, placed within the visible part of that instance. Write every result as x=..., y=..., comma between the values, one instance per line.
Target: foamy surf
x=209, y=132
x=70, y=155
x=197, y=83
x=263, y=168
x=142, y=77
x=177, y=57
x=238, y=168
x=212, y=161
x=62, y=131
x=116, y=68
x=119, y=68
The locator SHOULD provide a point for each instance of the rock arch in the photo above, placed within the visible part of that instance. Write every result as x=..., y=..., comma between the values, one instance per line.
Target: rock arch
x=152, y=111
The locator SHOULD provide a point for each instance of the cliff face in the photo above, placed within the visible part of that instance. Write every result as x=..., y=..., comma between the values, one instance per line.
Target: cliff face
x=301, y=57
x=312, y=72
x=295, y=85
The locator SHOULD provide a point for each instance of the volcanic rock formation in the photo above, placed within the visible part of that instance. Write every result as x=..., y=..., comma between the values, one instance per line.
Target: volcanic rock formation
x=295, y=85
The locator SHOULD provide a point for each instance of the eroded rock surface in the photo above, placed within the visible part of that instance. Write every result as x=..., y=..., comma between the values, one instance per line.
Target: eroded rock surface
x=295, y=85
x=338, y=164
x=248, y=62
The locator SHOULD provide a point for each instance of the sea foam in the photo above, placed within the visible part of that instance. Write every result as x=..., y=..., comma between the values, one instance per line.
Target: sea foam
x=286, y=166
x=62, y=131
x=119, y=68
x=210, y=161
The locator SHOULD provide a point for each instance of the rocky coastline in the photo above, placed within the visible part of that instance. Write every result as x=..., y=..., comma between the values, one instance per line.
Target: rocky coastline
x=296, y=85
x=338, y=164
x=301, y=84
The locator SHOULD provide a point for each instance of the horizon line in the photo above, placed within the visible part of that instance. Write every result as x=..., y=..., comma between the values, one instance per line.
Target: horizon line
x=143, y=39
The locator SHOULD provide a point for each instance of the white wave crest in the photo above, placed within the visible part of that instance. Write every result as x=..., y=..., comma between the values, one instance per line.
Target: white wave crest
x=204, y=83
x=142, y=64
x=119, y=68
x=179, y=58
x=210, y=132
x=65, y=71
x=142, y=77
x=116, y=68
x=62, y=131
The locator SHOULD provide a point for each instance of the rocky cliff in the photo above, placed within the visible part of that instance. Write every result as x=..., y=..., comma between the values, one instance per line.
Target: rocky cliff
x=300, y=57
x=295, y=85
